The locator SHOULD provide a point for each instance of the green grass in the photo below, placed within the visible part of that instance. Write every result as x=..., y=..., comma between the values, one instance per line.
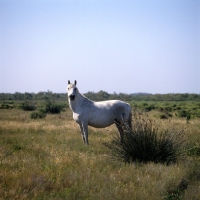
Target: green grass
x=170, y=108
x=46, y=159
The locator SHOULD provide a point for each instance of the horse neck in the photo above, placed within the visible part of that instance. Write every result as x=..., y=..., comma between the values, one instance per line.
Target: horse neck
x=75, y=105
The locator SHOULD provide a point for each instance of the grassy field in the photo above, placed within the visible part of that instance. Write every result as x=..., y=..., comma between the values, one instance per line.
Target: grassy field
x=46, y=159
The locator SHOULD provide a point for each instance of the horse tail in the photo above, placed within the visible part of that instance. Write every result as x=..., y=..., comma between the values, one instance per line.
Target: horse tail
x=129, y=117
x=129, y=106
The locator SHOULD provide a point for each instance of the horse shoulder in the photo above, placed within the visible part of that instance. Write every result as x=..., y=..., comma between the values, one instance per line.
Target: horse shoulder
x=83, y=110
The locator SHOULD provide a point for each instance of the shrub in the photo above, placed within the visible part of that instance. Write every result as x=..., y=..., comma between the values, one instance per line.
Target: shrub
x=52, y=107
x=5, y=106
x=194, y=148
x=163, y=116
x=145, y=144
x=37, y=115
x=27, y=106
x=48, y=107
x=188, y=117
x=167, y=109
x=194, y=151
x=149, y=108
x=183, y=113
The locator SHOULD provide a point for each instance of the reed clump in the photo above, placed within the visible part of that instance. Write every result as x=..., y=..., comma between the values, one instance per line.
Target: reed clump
x=146, y=143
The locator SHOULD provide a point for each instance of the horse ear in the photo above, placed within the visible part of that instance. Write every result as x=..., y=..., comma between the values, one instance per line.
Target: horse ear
x=68, y=82
x=75, y=82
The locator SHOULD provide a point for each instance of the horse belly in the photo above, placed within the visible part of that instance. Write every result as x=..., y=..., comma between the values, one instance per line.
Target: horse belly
x=100, y=122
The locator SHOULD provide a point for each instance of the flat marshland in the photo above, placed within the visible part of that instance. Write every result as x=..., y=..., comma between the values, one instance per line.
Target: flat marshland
x=46, y=159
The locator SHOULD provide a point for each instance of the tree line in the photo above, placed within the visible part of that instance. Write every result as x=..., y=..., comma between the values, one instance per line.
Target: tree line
x=102, y=95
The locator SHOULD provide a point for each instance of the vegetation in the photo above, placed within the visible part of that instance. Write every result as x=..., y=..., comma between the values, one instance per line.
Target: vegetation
x=101, y=95
x=39, y=114
x=168, y=109
x=45, y=159
x=17, y=96
x=7, y=105
x=48, y=107
x=169, y=105
x=27, y=106
x=52, y=107
x=144, y=143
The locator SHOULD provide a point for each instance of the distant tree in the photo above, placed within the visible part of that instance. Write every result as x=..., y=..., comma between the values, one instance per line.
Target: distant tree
x=102, y=95
x=28, y=96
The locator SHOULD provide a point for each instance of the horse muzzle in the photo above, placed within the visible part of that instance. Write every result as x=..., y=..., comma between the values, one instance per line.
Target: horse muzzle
x=72, y=97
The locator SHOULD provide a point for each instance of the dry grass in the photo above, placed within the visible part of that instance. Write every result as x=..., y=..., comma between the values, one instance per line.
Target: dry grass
x=46, y=159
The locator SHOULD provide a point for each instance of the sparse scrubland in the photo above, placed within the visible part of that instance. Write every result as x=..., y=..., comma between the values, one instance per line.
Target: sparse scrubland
x=46, y=159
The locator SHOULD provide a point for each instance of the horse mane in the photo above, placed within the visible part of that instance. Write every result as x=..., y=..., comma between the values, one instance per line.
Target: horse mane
x=85, y=97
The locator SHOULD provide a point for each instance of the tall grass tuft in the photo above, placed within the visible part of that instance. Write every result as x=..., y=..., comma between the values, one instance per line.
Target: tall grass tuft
x=144, y=143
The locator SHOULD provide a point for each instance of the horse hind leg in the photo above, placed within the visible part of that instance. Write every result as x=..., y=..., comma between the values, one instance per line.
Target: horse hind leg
x=130, y=121
x=120, y=129
x=127, y=121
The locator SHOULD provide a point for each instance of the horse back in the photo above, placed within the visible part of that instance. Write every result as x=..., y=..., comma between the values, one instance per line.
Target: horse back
x=115, y=107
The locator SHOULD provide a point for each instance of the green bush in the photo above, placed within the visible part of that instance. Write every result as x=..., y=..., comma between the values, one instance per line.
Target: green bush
x=145, y=144
x=5, y=106
x=163, y=116
x=183, y=113
x=149, y=108
x=27, y=106
x=52, y=108
x=48, y=107
x=193, y=148
x=37, y=115
x=194, y=151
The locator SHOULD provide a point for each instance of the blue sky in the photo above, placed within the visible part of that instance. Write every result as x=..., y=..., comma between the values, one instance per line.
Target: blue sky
x=111, y=45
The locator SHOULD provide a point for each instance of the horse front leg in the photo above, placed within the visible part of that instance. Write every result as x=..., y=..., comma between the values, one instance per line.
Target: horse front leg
x=85, y=133
x=82, y=133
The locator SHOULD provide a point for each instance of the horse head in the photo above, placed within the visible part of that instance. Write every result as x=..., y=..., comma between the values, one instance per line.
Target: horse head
x=72, y=90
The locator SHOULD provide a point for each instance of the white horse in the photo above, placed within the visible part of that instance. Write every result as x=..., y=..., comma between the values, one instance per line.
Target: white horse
x=96, y=114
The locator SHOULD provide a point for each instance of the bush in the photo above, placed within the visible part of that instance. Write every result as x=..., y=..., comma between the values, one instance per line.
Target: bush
x=194, y=151
x=194, y=148
x=149, y=108
x=37, y=115
x=48, y=107
x=5, y=106
x=163, y=116
x=27, y=106
x=145, y=144
x=183, y=113
x=52, y=108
